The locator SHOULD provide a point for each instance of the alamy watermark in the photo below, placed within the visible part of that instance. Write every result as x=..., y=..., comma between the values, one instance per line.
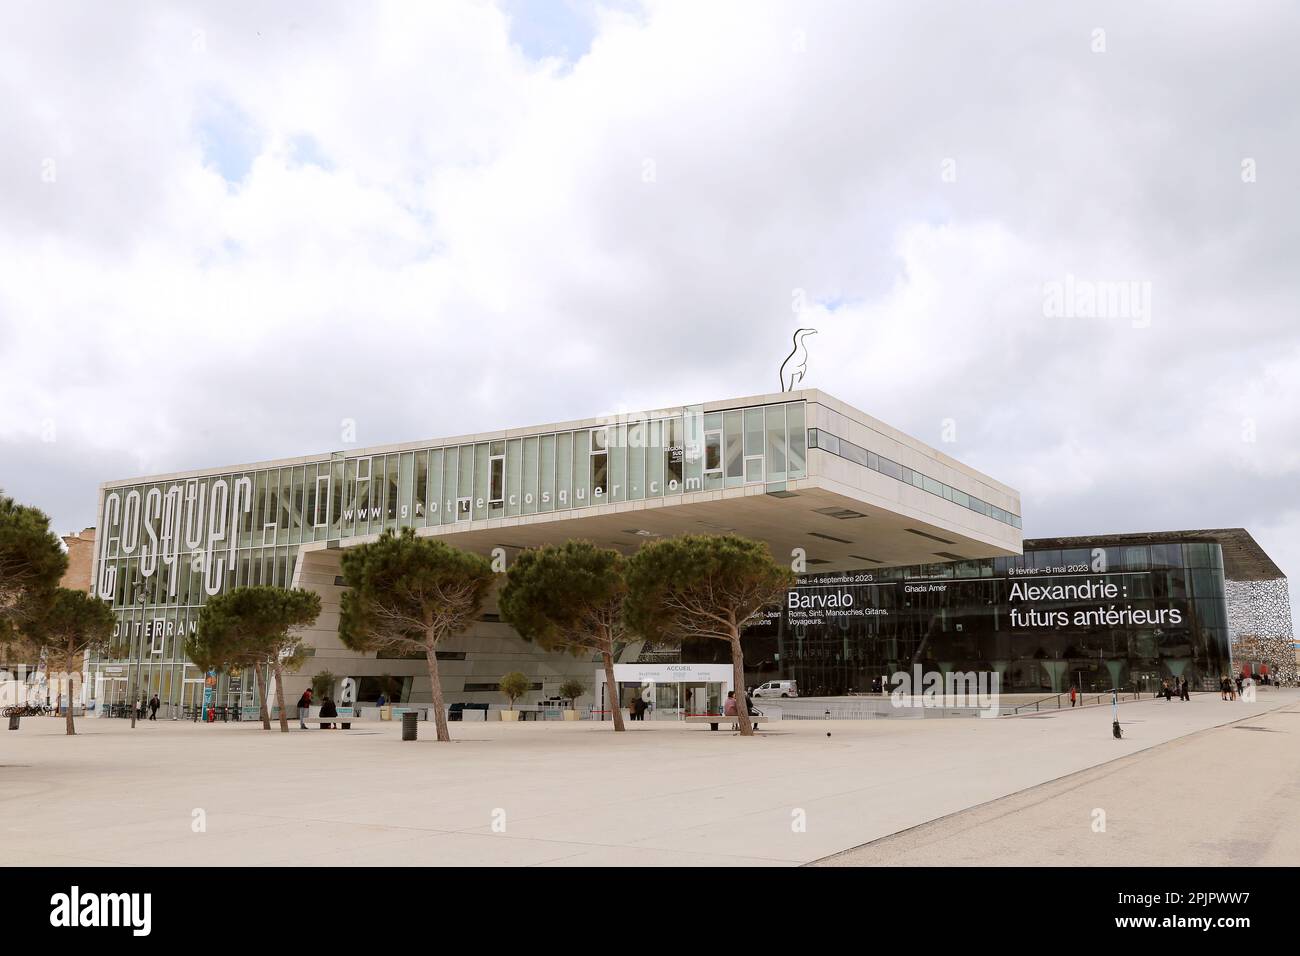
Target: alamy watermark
x=133, y=911
x=1074, y=298
x=980, y=690
x=36, y=688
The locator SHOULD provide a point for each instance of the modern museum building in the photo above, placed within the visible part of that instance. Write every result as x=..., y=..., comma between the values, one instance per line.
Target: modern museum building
x=906, y=556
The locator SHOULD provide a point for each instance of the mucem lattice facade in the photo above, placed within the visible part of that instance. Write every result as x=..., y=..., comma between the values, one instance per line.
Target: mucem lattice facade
x=1259, y=625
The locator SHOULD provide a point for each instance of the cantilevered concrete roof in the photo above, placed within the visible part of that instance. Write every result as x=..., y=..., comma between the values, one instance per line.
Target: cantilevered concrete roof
x=835, y=531
x=1243, y=558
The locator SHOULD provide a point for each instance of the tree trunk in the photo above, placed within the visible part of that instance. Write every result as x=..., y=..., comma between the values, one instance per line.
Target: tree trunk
x=738, y=677
x=612, y=686
x=279, y=692
x=266, y=707
x=70, y=728
x=439, y=711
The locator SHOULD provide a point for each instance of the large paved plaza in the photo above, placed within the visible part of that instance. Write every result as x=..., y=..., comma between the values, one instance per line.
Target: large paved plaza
x=1201, y=782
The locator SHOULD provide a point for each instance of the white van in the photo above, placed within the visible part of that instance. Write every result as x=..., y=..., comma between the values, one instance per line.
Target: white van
x=778, y=688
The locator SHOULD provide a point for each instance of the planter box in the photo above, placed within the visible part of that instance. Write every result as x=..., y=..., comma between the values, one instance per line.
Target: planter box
x=509, y=715
x=571, y=715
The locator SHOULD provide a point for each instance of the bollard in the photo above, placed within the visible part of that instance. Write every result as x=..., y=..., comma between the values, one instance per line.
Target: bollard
x=13, y=721
x=410, y=725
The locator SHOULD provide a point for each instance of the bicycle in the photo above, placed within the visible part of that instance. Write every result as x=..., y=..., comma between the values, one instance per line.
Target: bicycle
x=28, y=710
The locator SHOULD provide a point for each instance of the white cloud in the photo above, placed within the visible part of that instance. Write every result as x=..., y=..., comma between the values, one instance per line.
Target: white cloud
x=265, y=220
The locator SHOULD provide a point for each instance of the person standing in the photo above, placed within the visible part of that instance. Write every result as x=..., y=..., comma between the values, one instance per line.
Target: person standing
x=304, y=708
x=1186, y=694
x=154, y=704
x=1074, y=695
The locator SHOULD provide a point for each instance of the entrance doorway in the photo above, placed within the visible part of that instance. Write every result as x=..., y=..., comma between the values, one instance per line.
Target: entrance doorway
x=670, y=691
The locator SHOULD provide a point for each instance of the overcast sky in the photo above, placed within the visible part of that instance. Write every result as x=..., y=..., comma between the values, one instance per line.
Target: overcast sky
x=227, y=227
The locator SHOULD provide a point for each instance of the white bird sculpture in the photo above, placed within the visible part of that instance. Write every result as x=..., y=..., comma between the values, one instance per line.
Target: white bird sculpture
x=796, y=363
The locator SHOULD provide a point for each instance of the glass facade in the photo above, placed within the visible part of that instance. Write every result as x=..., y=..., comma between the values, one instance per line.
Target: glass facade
x=165, y=547
x=1096, y=618
x=823, y=440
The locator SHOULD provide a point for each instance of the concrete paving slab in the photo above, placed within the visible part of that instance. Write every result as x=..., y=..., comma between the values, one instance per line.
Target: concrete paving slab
x=1224, y=796
x=571, y=793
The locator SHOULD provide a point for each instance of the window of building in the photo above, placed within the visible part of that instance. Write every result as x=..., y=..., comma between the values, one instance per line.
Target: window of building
x=497, y=479
x=599, y=466
x=493, y=688
x=713, y=452
x=546, y=473
x=529, y=493
x=480, y=493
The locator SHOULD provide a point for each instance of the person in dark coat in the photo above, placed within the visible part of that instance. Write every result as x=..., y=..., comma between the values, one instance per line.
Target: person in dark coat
x=154, y=704
x=327, y=709
x=304, y=708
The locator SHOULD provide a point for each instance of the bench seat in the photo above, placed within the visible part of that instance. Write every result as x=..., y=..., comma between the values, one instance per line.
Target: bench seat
x=346, y=722
x=714, y=720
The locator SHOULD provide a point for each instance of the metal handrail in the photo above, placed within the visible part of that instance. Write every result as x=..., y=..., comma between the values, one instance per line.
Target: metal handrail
x=1102, y=697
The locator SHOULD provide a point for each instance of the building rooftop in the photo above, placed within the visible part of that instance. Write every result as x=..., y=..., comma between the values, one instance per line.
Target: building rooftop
x=1243, y=558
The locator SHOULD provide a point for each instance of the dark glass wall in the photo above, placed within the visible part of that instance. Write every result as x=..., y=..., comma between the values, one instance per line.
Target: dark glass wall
x=1097, y=618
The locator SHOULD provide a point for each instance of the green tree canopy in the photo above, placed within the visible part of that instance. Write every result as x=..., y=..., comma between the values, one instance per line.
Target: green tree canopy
x=32, y=561
x=572, y=688
x=709, y=586
x=406, y=594
x=255, y=626
x=322, y=684
x=514, y=685
x=570, y=597
x=70, y=624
